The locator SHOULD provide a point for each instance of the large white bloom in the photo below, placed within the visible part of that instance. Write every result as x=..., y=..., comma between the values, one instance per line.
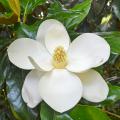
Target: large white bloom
x=62, y=71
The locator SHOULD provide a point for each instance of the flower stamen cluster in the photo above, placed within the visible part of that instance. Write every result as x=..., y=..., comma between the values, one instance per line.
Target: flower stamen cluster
x=59, y=60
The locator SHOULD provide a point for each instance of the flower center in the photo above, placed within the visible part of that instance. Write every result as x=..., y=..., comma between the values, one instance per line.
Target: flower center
x=59, y=58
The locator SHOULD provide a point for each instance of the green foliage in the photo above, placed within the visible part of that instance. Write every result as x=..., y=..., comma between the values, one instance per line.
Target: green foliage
x=14, y=78
x=113, y=38
x=79, y=112
x=70, y=17
x=5, y=4
x=8, y=18
x=85, y=112
x=46, y=113
x=11, y=12
x=3, y=59
x=30, y=31
x=29, y=5
x=116, y=8
x=14, y=81
x=15, y=7
x=114, y=95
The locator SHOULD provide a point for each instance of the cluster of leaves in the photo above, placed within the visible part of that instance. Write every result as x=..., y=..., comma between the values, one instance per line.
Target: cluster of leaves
x=21, y=18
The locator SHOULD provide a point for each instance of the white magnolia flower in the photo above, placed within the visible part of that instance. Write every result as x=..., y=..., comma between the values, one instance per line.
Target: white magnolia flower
x=61, y=71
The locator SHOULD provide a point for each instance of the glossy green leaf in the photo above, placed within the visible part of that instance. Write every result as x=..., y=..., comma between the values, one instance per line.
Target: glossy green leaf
x=5, y=116
x=5, y=4
x=114, y=95
x=30, y=31
x=85, y=112
x=14, y=79
x=70, y=17
x=47, y=113
x=29, y=5
x=63, y=116
x=3, y=59
x=113, y=38
x=116, y=8
x=2, y=67
x=79, y=112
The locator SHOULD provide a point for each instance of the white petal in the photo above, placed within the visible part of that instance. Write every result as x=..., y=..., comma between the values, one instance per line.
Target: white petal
x=87, y=51
x=95, y=89
x=20, y=50
x=52, y=33
x=43, y=61
x=60, y=89
x=30, y=90
x=44, y=26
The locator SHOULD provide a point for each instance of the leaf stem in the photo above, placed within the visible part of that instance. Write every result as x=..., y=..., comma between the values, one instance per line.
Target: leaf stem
x=25, y=13
x=112, y=114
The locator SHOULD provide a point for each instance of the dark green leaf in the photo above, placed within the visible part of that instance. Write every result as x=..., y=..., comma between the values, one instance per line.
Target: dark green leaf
x=15, y=78
x=3, y=61
x=4, y=116
x=114, y=95
x=30, y=31
x=29, y=5
x=84, y=112
x=5, y=4
x=48, y=113
x=70, y=17
x=80, y=112
x=63, y=116
x=113, y=38
x=116, y=8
